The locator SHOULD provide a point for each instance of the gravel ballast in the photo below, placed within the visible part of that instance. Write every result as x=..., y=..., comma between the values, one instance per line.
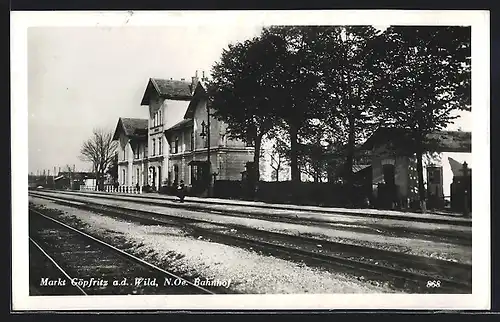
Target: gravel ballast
x=248, y=271
x=413, y=246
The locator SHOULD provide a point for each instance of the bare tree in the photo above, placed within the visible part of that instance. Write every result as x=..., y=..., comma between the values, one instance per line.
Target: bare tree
x=100, y=150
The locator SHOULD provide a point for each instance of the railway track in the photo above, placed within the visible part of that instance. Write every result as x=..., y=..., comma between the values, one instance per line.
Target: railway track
x=403, y=271
x=195, y=204
x=435, y=235
x=67, y=261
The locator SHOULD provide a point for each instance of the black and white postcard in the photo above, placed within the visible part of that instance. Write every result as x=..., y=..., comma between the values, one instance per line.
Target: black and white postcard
x=250, y=160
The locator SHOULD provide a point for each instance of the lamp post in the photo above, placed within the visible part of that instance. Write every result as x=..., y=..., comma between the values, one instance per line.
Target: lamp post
x=207, y=134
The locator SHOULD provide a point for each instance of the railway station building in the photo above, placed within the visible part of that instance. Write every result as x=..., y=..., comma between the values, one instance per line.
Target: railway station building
x=394, y=174
x=171, y=143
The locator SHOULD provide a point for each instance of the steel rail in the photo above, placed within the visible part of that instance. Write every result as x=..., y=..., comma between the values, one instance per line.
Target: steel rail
x=121, y=252
x=148, y=200
x=56, y=265
x=380, y=270
x=408, y=258
x=442, y=236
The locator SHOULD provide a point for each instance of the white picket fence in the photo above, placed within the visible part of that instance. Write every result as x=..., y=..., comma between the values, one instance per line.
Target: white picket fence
x=120, y=189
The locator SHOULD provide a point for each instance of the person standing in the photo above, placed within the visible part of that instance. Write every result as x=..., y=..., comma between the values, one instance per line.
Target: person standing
x=181, y=191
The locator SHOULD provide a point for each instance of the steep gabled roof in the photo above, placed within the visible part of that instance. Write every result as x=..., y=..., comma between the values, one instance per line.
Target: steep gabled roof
x=131, y=127
x=441, y=141
x=200, y=92
x=167, y=88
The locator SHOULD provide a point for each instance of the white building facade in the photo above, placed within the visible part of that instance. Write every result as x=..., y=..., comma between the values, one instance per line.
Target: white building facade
x=171, y=143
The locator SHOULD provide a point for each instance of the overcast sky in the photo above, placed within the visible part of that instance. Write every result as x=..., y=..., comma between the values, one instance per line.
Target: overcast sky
x=86, y=77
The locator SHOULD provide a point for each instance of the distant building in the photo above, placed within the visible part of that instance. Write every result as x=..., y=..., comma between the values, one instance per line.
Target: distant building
x=391, y=168
x=171, y=144
x=74, y=180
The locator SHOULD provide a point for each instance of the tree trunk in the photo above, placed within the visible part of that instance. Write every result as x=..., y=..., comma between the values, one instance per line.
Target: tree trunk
x=101, y=181
x=420, y=173
x=256, y=159
x=294, y=165
x=350, y=156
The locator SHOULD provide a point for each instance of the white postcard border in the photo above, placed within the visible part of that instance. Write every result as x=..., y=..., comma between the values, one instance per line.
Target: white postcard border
x=480, y=297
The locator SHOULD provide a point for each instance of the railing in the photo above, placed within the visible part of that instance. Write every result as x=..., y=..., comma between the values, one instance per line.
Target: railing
x=87, y=188
x=120, y=189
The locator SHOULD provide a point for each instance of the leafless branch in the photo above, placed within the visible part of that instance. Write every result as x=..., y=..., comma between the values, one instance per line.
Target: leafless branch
x=99, y=149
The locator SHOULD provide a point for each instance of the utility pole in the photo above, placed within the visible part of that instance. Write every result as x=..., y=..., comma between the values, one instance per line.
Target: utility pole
x=208, y=150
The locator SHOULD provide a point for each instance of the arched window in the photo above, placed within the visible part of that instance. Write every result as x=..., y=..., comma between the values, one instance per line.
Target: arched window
x=159, y=146
x=160, y=119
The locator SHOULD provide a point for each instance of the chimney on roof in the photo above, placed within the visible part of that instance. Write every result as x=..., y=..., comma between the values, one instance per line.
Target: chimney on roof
x=183, y=79
x=194, y=81
x=203, y=78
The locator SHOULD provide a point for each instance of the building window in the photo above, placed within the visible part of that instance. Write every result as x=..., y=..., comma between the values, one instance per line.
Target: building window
x=157, y=119
x=138, y=175
x=176, y=148
x=192, y=141
x=159, y=146
x=434, y=175
x=124, y=181
x=123, y=155
x=154, y=147
x=137, y=154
